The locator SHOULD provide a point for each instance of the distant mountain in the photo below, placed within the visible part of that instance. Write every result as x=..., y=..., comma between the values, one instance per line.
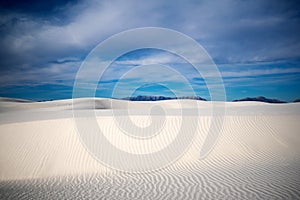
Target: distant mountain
x=261, y=99
x=297, y=100
x=159, y=98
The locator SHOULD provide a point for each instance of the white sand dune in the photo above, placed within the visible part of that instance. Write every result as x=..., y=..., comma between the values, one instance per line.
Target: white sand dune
x=257, y=155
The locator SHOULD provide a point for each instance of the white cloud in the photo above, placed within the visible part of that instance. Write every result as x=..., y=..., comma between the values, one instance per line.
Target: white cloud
x=234, y=31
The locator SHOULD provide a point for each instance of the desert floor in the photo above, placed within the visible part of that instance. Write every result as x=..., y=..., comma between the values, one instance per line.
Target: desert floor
x=256, y=153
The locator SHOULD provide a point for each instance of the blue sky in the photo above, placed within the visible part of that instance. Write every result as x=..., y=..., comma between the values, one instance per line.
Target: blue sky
x=255, y=44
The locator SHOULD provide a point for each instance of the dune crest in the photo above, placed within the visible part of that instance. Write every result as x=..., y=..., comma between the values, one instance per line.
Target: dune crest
x=258, y=150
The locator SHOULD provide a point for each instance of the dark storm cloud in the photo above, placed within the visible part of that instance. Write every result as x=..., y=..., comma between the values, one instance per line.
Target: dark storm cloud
x=21, y=23
x=34, y=7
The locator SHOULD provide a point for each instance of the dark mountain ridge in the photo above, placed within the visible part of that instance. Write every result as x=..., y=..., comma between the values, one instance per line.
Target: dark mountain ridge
x=260, y=99
x=159, y=98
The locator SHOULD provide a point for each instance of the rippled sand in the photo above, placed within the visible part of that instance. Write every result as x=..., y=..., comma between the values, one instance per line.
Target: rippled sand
x=257, y=155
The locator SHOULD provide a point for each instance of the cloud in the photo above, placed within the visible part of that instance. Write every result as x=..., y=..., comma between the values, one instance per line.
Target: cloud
x=157, y=58
x=231, y=30
x=47, y=46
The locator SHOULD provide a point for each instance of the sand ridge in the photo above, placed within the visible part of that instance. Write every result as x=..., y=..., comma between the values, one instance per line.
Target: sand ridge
x=257, y=155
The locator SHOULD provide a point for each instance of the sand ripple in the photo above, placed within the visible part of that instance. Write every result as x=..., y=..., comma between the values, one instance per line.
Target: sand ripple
x=256, y=157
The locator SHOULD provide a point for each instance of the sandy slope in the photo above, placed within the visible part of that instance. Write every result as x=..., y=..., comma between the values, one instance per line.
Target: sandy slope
x=256, y=157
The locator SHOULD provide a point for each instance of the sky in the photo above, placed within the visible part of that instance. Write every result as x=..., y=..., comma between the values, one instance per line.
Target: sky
x=255, y=45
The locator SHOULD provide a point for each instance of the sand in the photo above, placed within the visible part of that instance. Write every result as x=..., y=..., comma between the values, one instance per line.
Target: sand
x=256, y=156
